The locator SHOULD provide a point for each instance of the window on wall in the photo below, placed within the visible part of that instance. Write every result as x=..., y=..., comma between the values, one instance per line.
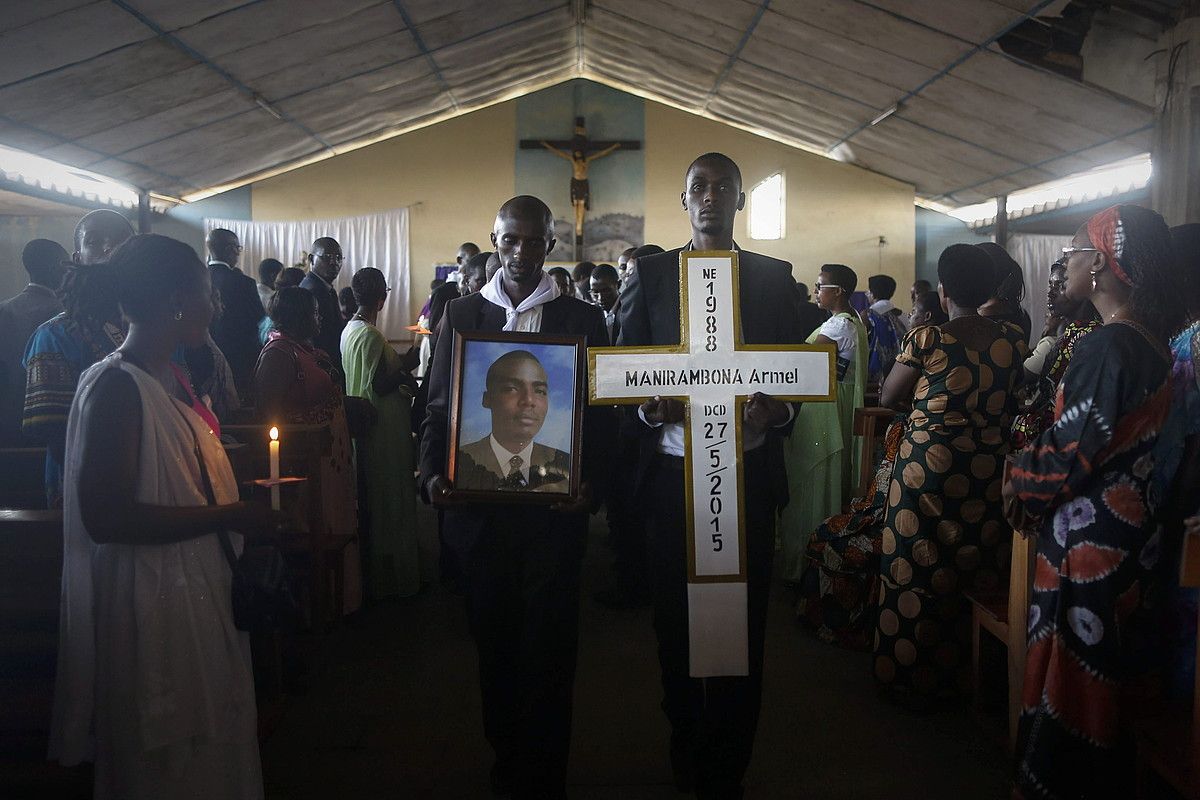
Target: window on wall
x=767, y=208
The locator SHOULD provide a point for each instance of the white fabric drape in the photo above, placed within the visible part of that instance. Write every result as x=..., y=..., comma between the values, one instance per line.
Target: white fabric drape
x=372, y=240
x=1035, y=253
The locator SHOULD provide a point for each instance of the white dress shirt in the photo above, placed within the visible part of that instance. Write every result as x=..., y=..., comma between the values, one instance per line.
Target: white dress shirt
x=503, y=455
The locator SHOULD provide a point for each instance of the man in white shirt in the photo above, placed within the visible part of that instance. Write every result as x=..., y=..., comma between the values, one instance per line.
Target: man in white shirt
x=521, y=562
x=713, y=721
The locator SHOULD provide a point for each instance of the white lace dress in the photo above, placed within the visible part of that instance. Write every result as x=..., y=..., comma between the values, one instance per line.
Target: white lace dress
x=154, y=682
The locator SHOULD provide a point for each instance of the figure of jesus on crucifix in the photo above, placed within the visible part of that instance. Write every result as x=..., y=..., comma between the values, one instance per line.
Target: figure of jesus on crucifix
x=710, y=348
x=581, y=152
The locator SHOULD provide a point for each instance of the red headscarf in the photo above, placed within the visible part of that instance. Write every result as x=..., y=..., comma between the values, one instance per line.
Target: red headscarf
x=1107, y=235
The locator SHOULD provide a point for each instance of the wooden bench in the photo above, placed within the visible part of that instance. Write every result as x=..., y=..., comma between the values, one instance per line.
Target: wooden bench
x=1168, y=745
x=30, y=581
x=1003, y=614
x=23, y=477
x=870, y=423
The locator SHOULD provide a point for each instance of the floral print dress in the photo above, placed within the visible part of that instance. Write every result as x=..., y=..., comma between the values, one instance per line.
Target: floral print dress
x=1093, y=627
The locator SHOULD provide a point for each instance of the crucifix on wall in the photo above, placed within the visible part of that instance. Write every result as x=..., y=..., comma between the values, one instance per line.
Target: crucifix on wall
x=580, y=151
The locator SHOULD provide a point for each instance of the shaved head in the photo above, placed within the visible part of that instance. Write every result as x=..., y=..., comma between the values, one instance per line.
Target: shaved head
x=98, y=233
x=523, y=236
x=719, y=160
x=223, y=245
x=527, y=207
x=465, y=251
x=325, y=259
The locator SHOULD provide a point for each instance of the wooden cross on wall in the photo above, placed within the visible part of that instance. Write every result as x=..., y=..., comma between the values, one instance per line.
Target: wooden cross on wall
x=580, y=151
x=714, y=373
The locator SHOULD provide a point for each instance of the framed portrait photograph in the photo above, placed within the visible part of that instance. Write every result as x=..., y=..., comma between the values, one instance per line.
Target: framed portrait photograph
x=516, y=412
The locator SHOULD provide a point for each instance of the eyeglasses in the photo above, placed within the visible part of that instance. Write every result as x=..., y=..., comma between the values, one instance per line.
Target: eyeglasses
x=820, y=286
x=336, y=258
x=1070, y=251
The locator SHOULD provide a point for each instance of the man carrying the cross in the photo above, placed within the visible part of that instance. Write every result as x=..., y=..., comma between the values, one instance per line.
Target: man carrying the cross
x=713, y=720
x=521, y=563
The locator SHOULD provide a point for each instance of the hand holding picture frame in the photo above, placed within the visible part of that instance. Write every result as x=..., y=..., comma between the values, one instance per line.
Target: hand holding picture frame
x=516, y=412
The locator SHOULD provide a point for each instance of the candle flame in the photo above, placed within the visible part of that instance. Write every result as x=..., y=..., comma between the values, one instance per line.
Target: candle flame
x=274, y=433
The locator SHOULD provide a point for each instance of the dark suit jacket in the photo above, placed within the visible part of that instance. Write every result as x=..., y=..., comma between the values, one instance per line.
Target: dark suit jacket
x=563, y=315
x=649, y=315
x=329, y=338
x=236, y=331
x=549, y=468
x=441, y=296
x=615, y=332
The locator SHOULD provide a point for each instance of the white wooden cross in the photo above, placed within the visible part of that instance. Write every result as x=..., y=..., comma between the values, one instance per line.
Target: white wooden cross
x=714, y=373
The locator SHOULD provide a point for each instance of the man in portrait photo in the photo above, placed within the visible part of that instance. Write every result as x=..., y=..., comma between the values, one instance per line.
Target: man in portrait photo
x=517, y=393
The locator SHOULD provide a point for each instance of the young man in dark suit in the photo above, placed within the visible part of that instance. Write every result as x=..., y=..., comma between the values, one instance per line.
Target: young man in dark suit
x=235, y=330
x=713, y=720
x=521, y=563
x=324, y=263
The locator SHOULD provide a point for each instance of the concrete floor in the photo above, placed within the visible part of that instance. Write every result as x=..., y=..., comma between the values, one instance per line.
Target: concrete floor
x=394, y=712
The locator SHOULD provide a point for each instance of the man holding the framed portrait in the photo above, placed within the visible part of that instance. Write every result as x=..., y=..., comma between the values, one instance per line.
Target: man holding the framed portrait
x=516, y=458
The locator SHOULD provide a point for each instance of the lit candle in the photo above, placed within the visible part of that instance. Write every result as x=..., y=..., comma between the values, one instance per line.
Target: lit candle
x=274, y=448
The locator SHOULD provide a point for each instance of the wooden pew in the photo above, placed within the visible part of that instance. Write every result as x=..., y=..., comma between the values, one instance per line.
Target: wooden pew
x=1003, y=614
x=870, y=423
x=1168, y=745
x=30, y=580
x=23, y=477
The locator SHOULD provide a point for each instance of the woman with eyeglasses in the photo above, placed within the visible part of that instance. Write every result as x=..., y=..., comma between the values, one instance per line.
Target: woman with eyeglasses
x=944, y=531
x=822, y=461
x=1092, y=479
x=375, y=371
x=1045, y=367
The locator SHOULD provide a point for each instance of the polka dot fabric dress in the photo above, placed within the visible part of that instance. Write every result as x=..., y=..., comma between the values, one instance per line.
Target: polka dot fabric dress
x=1099, y=587
x=943, y=531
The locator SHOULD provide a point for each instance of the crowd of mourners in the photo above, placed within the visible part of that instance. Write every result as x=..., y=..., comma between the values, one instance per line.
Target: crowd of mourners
x=125, y=359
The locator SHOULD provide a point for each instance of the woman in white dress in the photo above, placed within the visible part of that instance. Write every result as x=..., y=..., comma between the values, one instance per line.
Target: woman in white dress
x=154, y=682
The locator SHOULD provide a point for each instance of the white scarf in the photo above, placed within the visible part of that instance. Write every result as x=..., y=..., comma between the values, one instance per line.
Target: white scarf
x=493, y=292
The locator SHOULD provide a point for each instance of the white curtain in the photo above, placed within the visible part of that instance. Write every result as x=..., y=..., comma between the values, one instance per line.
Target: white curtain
x=372, y=240
x=1035, y=253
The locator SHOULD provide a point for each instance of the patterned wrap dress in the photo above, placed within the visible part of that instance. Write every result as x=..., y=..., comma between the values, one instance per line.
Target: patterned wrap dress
x=1093, y=623
x=1028, y=426
x=944, y=530
x=840, y=587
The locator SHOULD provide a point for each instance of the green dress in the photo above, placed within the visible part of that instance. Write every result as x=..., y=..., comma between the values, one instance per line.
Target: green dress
x=822, y=461
x=944, y=529
x=387, y=459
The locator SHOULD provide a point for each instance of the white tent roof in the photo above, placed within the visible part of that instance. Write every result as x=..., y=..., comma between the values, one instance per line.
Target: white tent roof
x=183, y=97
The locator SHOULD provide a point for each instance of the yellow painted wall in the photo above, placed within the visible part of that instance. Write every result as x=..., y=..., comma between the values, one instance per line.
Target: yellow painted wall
x=456, y=174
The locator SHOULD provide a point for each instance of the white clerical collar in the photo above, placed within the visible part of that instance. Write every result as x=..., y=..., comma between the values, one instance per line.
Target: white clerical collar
x=213, y=262
x=503, y=454
x=883, y=306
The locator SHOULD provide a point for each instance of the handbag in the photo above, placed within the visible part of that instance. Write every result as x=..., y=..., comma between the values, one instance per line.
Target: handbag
x=261, y=589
